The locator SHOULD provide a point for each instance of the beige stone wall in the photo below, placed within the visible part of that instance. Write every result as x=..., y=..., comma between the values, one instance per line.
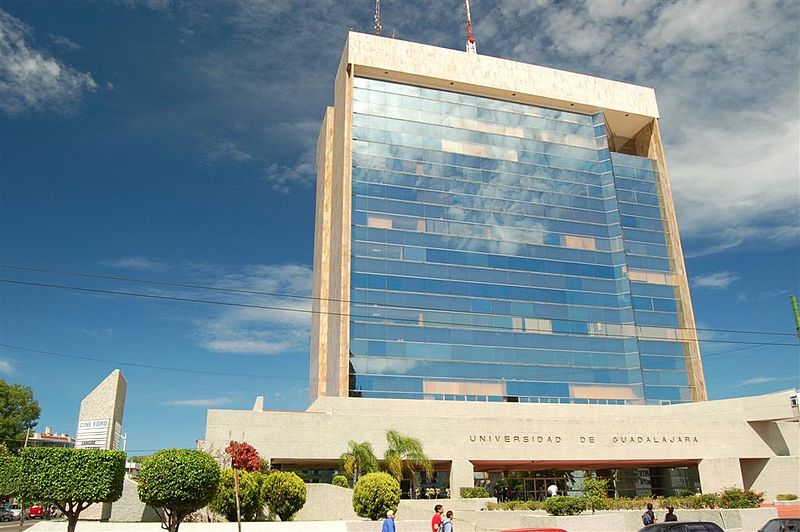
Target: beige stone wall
x=715, y=433
x=694, y=363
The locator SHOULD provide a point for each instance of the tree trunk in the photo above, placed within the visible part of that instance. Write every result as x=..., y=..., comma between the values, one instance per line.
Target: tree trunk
x=236, y=489
x=72, y=520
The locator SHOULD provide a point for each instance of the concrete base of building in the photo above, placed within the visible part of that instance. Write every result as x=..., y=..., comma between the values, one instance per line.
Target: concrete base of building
x=467, y=521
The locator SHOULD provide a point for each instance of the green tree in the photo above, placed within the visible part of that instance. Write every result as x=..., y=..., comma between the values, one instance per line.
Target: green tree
x=19, y=412
x=9, y=475
x=176, y=482
x=72, y=479
x=594, y=492
x=285, y=494
x=341, y=481
x=359, y=459
x=251, y=501
x=375, y=494
x=405, y=454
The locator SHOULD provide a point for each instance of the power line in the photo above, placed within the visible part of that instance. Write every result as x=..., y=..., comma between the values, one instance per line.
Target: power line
x=298, y=296
x=147, y=366
x=322, y=312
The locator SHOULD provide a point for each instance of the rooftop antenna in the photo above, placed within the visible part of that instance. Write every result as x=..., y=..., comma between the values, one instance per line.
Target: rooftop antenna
x=471, y=48
x=377, y=26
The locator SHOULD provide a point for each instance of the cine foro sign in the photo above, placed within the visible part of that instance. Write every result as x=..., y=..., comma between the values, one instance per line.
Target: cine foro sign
x=92, y=434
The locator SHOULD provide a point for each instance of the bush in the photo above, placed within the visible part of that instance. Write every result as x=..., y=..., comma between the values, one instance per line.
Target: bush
x=565, y=505
x=285, y=494
x=341, y=481
x=709, y=500
x=683, y=492
x=251, y=501
x=594, y=492
x=72, y=479
x=375, y=494
x=9, y=475
x=474, y=493
x=786, y=497
x=178, y=481
x=738, y=498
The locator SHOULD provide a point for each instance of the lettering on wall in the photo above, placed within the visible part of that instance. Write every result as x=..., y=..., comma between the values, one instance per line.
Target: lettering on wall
x=583, y=439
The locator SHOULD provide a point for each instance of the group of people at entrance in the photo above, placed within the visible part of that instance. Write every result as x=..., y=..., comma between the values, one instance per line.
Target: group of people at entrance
x=441, y=521
x=649, y=516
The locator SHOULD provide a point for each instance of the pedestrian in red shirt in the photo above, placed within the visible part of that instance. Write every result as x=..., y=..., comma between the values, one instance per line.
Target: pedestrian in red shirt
x=436, y=521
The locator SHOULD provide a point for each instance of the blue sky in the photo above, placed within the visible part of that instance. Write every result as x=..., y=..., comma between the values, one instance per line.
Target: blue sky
x=174, y=141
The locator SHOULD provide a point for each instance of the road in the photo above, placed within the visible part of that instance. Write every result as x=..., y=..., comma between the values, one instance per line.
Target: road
x=10, y=526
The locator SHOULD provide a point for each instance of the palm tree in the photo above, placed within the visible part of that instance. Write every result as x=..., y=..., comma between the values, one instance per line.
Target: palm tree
x=405, y=453
x=359, y=459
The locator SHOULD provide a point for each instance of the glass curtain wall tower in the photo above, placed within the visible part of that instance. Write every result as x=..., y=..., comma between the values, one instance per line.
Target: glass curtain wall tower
x=495, y=231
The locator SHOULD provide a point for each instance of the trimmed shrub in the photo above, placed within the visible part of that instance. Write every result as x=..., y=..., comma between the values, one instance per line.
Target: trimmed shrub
x=251, y=501
x=709, y=500
x=375, y=494
x=285, y=494
x=594, y=491
x=474, y=493
x=738, y=498
x=178, y=482
x=341, y=481
x=565, y=505
x=9, y=475
x=72, y=479
x=786, y=497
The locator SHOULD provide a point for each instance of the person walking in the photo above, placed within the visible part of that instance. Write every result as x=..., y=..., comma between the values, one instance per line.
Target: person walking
x=436, y=520
x=649, y=517
x=447, y=523
x=388, y=523
x=670, y=515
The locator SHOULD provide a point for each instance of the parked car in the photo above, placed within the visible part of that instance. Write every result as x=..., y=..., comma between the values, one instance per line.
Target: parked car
x=683, y=526
x=36, y=511
x=5, y=514
x=781, y=524
x=15, y=511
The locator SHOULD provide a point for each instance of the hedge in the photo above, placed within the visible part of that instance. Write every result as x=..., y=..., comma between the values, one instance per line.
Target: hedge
x=565, y=505
x=178, y=481
x=474, y=493
x=375, y=494
x=251, y=499
x=9, y=475
x=786, y=497
x=285, y=494
x=341, y=481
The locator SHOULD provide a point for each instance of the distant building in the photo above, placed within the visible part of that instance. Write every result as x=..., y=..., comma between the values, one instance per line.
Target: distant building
x=50, y=439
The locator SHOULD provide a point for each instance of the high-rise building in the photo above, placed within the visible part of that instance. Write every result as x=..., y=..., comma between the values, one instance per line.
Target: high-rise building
x=489, y=230
x=493, y=231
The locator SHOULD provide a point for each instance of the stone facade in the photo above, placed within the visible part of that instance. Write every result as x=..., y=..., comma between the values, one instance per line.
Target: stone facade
x=748, y=442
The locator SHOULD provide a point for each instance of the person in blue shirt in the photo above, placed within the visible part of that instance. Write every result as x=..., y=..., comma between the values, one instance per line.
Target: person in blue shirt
x=388, y=523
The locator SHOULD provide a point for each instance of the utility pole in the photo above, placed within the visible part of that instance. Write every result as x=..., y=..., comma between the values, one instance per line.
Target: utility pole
x=28, y=432
x=377, y=27
x=796, y=314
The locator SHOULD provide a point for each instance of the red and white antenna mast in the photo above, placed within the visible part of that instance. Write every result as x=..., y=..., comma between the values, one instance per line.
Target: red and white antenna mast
x=471, y=48
x=377, y=26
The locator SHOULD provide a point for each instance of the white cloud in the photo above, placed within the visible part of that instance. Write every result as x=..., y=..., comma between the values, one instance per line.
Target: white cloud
x=30, y=80
x=134, y=263
x=762, y=380
x=725, y=75
x=750, y=297
x=224, y=150
x=257, y=331
x=6, y=368
x=65, y=42
x=206, y=402
x=716, y=280
x=98, y=333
